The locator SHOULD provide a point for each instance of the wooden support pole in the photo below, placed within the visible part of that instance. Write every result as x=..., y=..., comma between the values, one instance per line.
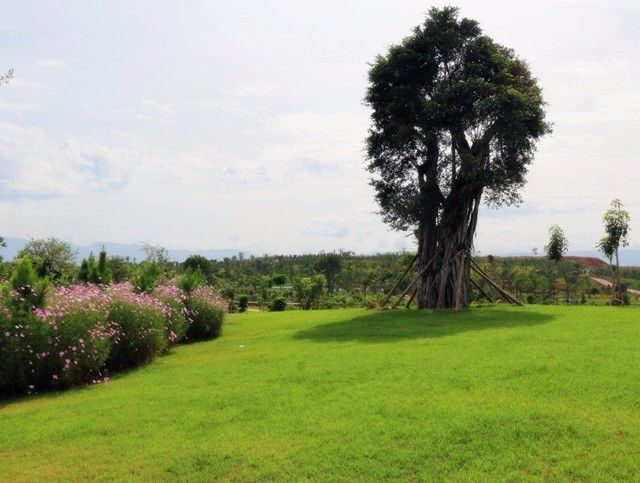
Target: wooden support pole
x=413, y=295
x=503, y=292
x=406, y=291
x=506, y=295
x=386, y=299
x=484, y=294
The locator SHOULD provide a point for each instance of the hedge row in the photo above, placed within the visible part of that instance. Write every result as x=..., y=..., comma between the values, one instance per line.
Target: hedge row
x=81, y=334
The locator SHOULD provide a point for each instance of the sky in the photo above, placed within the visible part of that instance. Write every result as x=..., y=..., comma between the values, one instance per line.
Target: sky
x=241, y=124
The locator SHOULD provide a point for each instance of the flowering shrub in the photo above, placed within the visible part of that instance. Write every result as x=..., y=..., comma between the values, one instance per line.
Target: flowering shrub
x=206, y=313
x=73, y=335
x=81, y=335
x=176, y=320
x=64, y=344
x=23, y=340
x=139, y=321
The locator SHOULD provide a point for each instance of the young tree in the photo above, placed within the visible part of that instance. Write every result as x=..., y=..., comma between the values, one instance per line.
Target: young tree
x=555, y=250
x=198, y=262
x=455, y=118
x=557, y=246
x=616, y=227
x=309, y=290
x=103, y=269
x=156, y=254
x=367, y=278
x=121, y=268
x=51, y=257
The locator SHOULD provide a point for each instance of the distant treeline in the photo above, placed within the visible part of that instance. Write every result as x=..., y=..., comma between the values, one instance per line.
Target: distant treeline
x=324, y=280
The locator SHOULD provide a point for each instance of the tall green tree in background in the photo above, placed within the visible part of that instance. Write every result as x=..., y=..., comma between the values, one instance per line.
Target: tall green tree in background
x=616, y=227
x=455, y=119
x=330, y=264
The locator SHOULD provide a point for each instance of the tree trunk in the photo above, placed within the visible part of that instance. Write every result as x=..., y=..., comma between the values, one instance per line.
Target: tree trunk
x=617, y=283
x=446, y=283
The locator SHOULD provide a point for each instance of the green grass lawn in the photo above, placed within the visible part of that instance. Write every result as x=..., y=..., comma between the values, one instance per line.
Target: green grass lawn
x=496, y=393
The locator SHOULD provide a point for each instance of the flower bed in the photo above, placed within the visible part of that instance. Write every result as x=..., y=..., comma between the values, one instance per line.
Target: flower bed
x=85, y=331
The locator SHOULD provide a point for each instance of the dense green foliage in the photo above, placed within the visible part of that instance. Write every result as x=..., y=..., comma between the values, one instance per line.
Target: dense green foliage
x=455, y=120
x=254, y=282
x=278, y=305
x=206, y=314
x=142, y=334
x=55, y=337
x=616, y=228
x=18, y=369
x=92, y=272
x=51, y=257
x=448, y=85
x=491, y=394
x=358, y=280
x=30, y=289
x=558, y=244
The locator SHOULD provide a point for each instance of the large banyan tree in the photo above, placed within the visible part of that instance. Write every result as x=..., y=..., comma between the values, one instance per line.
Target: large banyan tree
x=455, y=121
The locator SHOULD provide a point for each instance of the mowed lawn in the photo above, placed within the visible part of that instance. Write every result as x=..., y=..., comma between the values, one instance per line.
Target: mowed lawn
x=495, y=393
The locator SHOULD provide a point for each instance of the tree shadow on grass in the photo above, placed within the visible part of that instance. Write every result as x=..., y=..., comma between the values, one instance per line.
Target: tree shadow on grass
x=414, y=324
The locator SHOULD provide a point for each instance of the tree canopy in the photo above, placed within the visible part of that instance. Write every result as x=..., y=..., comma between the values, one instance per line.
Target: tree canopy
x=558, y=244
x=447, y=87
x=50, y=257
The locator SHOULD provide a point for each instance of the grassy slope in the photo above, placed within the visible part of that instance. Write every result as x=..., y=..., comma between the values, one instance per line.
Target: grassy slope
x=499, y=393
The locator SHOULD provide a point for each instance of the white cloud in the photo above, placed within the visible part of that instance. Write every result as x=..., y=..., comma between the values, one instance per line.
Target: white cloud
x=16, y=107
x=163, y=107
x=254, y=89
x=52, y=63
x=609, y=67
x=23, y=83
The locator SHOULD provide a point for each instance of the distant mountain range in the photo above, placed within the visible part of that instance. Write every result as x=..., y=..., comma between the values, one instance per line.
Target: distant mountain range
x=131, y=250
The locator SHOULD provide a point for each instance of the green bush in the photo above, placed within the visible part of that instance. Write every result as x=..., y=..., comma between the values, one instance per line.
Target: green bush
x=147, y=277
x=92, y=272
x=206, y=310
x=309, y=290
x=140, y=333
x=62, y=345
x=22, y=337
x=190, y=280
x=176, y=316
x=243, y=303
x=278, y=305
x=52, y=258
x=29, y=288
x=80, y=350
